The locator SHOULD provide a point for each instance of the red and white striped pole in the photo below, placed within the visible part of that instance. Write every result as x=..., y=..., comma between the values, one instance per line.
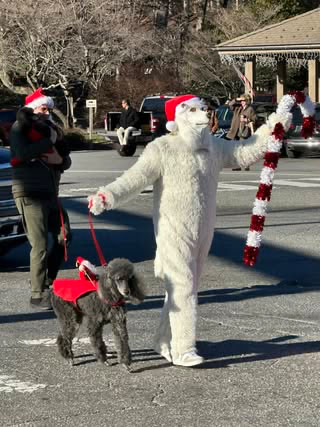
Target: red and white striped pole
x=274, y=144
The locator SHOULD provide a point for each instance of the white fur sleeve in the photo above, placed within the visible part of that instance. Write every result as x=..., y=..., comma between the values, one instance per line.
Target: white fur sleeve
x=143, y=173
x=245, y=152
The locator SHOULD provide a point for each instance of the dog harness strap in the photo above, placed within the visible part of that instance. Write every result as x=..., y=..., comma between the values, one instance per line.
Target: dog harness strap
x=94, y=238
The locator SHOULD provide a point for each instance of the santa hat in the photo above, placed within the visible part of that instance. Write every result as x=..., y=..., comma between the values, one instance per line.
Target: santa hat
x=177, y=105
x=86, y=269
x=38, y=98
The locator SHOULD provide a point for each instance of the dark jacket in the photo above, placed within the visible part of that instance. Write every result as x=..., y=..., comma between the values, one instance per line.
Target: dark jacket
x=33, y=177
x=129, y=117
x=237, y=129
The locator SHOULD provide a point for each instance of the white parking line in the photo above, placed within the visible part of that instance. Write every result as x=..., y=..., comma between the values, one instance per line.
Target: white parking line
x=222, y=186
x=295, y=183
x=9, y=384
x=48, y=342
x=235, y=187
x=87, y=171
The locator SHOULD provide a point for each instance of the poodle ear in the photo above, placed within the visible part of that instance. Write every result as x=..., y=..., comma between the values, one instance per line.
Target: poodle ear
x=137, y=289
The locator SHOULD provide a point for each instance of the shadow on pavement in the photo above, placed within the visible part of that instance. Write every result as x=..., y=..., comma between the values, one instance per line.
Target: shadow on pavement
x=263, y=350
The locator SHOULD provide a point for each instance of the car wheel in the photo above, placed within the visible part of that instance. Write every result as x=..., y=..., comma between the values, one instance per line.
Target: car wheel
x=125, y=150
x=292, y=154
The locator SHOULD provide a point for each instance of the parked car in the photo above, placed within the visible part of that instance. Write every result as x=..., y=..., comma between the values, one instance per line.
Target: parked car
x=11, y=229
x=7, y=118
x=295, y=144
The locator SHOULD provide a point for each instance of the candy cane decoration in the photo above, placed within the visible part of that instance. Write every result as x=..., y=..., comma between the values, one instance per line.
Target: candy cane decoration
x=274, y=144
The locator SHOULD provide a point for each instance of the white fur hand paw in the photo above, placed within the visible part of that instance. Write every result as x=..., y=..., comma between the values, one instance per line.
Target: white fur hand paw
x=97, y=204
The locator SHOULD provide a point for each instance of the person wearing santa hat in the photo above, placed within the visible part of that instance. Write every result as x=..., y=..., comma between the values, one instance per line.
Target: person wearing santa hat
x=37, y=167
x=184, y=168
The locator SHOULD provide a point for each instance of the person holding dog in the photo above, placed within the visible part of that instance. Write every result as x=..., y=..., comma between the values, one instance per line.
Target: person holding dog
x=38, y=158
x=129, y=121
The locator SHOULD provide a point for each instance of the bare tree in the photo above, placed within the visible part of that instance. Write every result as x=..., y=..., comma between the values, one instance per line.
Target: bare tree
x=69, y=43
x=202, y=69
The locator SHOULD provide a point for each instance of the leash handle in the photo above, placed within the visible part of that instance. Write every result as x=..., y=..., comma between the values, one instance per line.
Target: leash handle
x=96, y=243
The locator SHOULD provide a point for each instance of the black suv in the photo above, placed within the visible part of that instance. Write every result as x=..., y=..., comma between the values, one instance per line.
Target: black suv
x=11, y=230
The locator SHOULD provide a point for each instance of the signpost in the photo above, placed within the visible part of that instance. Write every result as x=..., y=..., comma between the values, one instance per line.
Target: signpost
x=92, y=105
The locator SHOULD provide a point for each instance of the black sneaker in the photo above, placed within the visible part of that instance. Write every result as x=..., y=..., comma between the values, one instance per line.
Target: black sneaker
x=41, y=303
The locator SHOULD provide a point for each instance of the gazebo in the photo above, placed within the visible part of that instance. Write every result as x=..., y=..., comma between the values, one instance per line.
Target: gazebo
x=293, y=42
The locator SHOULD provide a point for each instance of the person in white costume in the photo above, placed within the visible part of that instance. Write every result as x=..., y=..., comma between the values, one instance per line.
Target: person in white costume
x=184, y=169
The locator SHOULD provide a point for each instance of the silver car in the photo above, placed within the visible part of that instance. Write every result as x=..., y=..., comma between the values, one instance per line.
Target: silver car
x=295, y=144
x=11, y=230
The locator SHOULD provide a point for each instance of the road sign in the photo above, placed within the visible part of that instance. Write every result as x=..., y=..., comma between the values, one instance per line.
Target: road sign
x=91, y=103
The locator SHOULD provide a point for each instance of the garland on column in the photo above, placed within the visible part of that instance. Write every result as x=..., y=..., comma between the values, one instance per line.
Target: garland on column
x=274, y=144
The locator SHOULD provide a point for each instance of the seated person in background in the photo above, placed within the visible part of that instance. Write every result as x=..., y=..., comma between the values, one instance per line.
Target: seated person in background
x=129, y=121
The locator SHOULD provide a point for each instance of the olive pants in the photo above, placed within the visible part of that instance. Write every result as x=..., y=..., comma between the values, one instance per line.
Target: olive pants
x=41, y=217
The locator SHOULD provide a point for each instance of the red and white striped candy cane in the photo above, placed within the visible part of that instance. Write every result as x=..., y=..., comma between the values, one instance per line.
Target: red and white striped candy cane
x=271, y=158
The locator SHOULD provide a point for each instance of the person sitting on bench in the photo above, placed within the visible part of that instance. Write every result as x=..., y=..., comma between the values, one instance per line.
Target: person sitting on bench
x=129, y=121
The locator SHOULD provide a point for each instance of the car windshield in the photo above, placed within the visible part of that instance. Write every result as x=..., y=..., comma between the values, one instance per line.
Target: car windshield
x=154, y=104
x=224, y=113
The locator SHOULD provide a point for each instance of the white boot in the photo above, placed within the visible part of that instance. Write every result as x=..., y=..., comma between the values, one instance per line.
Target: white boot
x=164, y=351
x=191, y=358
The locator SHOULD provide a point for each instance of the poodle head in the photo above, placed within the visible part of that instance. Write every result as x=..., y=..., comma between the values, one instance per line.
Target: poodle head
x=120, y=272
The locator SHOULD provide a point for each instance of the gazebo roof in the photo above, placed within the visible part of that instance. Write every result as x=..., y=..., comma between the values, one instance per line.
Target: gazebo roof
x=295, y=40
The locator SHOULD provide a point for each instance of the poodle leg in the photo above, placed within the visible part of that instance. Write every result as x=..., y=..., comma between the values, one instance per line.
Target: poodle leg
x=119, y=328
x=95, y=333
x=69, y=320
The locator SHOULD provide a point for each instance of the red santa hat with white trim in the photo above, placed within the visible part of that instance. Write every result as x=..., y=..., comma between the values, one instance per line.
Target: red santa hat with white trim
x=38, y=98
x=178, y=105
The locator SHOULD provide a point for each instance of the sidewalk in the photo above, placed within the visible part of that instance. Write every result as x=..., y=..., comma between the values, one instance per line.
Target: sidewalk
x=261, y=341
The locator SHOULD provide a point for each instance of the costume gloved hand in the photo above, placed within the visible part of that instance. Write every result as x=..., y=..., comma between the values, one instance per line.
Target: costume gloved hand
x=97, y=203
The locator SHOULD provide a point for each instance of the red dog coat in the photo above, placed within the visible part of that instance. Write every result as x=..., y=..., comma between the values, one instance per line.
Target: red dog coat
x=72, y=289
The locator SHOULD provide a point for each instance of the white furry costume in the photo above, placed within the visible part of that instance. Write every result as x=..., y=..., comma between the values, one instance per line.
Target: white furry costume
x=184, y=170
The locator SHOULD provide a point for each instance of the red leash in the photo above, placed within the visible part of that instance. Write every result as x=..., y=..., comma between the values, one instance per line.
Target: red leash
x=63, y=231
x=94, y=238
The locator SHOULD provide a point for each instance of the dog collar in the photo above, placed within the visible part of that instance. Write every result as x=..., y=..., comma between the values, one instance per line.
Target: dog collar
x=118, y=303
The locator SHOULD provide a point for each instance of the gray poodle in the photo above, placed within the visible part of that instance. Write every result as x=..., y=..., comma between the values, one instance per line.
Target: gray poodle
x=117, y=282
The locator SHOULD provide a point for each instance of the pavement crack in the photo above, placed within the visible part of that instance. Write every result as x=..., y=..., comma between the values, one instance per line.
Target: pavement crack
x=156, y=399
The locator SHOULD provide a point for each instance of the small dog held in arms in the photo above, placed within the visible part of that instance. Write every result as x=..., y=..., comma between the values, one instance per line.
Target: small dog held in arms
x=101, y=298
